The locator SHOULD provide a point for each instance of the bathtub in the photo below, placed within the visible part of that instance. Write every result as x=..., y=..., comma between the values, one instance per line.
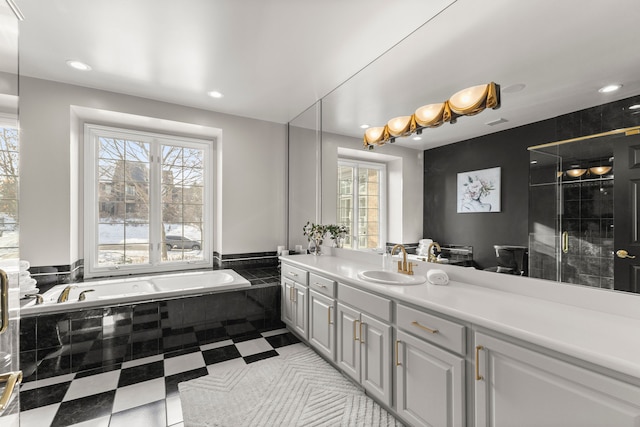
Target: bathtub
x=120, y=291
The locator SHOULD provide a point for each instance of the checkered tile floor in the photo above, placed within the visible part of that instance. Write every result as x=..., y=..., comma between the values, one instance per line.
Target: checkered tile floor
x=140, y=392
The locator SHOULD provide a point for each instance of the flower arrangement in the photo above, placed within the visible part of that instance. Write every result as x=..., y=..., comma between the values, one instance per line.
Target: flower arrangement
x=337, y=233
x=316, y=232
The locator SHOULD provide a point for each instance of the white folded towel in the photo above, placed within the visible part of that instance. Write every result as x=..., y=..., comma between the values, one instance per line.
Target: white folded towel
x=437, y=277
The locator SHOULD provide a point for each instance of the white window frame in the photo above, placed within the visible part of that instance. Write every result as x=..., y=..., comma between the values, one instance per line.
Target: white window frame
x=355, y=193
x=91, y=269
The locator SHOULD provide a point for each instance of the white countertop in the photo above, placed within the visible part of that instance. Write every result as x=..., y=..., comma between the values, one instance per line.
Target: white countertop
x=602, y=338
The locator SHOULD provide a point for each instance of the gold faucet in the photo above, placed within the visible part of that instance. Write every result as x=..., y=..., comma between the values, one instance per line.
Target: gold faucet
x=64, y=295
x=432, y=257
x=403, y=266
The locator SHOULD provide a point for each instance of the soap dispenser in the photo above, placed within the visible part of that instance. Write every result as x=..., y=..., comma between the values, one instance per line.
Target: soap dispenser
x=386, y=260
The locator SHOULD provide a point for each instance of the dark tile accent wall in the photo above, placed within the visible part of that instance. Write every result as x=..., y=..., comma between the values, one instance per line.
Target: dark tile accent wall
x=264, y=259
x=56, y=344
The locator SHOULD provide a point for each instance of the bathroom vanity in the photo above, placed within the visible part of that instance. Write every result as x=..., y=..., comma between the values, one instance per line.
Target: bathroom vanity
x=471, y=353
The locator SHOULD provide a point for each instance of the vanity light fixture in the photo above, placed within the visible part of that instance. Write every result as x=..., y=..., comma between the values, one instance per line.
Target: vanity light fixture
x=634, y=107
x=575, y=173
x=466, y=102
x=600, y=170
x=78, y=65
x=610, y=88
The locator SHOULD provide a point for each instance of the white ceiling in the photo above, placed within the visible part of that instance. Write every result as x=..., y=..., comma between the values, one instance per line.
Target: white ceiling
x=272, y=59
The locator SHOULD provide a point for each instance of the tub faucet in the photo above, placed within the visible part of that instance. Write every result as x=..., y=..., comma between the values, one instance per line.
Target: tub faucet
x=64, y=295
x=83, y=295
x=38, y=297
x=432, y=256
x=403, y=266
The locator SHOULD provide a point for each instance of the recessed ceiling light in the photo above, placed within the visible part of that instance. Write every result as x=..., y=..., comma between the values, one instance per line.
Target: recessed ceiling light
x=365, y=126
x=634, y=107
x=417, y=138
x=78, y=65
x=215, y=94
x=610, y=88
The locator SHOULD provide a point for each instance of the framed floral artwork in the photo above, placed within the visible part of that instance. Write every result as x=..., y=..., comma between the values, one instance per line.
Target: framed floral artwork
x=479, y=191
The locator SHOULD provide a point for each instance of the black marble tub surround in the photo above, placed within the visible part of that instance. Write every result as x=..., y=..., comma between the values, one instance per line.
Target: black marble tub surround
x=65, y=343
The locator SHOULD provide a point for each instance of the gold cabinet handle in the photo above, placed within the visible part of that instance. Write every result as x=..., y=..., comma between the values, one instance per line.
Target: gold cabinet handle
x=355, y=334
x=320, y=285
x=329, y=315
x=291, y=294
x=621, y=253
x=478, y=376
x=424, y=328
x=11, y=378
x=361, y=340
x=291, y=273
x=397, y=356
x=565, y=242
x=4, y=300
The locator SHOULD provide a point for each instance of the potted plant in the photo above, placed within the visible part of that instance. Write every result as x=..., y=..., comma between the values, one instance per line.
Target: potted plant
x=337, y=233
x=315, y=233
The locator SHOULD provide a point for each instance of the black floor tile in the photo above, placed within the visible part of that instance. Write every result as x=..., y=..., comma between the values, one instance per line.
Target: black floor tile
x=84, y=409
x=171, y=382
x=43, y=396
x=221, y=354
x=100, y=370
x=181, y=352
x=282, y=340
x=246, y=336
x=141, y=373
x=260, y=356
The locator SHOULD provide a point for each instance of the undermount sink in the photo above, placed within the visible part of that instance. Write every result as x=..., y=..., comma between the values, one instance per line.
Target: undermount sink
x=390, y=277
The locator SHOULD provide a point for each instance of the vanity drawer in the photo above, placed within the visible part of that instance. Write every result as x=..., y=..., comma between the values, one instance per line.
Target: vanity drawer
x=322, y=285
x=448, y=334
x=296, y=274
x=369, y=303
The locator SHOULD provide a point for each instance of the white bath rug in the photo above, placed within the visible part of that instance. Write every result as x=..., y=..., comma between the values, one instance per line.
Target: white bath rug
x=300, y=389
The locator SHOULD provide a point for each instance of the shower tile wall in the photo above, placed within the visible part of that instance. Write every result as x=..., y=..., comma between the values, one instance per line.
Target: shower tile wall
x=588, y=218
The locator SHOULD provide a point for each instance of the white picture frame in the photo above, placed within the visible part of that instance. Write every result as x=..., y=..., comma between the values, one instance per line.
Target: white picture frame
x=479, y=191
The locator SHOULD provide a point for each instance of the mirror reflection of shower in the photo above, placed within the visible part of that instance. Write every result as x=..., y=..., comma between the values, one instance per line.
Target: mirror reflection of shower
x=571, y=217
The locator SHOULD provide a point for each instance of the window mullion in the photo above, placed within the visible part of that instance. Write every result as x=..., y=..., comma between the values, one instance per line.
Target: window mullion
x=356, y=208
x=155, y=195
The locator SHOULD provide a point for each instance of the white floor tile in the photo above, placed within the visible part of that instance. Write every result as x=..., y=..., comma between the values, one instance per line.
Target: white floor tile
x=48, y=381
x=38, y=417
x=216, y=345
x=276, y=332
x=93, y=384
x=248, y=348
x=96, y=422
x=229, y=364
x=186, y=362
x=139, y=394
x=174, y=410
x=143, y=361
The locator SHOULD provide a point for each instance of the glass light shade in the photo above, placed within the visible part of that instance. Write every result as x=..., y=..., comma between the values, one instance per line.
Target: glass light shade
x=469, y=100
x=399, y=126
x=373, y=135
x=574, y=173
x=600, y=170
x=559, y=174
x=430, y=115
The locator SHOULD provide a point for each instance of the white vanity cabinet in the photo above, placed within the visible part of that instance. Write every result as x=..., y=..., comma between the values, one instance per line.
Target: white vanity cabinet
x=518, y=386
x=430, y=381
x=322, y=315
x=294, y=299
x=364, y=341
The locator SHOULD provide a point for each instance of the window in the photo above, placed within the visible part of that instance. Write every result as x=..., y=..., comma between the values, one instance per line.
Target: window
x=362, y=203
x=148, y=202
x=9, y=173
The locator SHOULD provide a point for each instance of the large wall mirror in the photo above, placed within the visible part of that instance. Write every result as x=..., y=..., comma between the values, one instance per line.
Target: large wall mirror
x=541, y=103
